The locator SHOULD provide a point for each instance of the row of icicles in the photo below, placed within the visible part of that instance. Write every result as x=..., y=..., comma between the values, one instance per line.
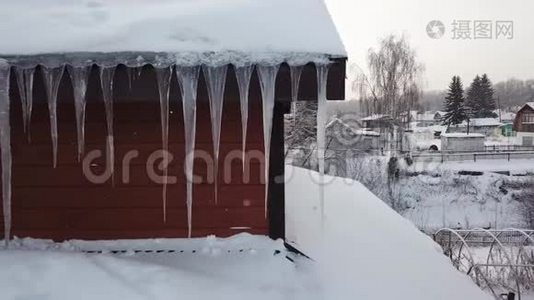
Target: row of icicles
x=188, y=81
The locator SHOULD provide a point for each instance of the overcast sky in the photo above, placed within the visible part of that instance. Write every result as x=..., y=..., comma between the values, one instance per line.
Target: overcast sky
x=362, y=23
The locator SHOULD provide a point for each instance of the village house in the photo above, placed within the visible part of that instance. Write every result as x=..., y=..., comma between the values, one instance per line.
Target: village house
x=343, y=136
x=484, y=126
x=524, y=124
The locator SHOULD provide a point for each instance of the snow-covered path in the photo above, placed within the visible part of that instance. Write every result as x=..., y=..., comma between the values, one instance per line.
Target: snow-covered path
x=365, y=248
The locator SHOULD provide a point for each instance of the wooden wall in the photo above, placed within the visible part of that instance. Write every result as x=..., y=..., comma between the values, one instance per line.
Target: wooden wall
x=62, y=204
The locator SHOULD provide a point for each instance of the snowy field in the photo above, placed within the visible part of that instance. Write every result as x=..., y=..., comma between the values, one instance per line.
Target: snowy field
x=363, y=249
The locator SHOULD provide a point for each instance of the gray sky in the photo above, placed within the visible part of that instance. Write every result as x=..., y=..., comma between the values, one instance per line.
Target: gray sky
x=362, y=23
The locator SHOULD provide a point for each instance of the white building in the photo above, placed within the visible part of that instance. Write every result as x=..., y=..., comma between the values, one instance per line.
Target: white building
x=462, y=142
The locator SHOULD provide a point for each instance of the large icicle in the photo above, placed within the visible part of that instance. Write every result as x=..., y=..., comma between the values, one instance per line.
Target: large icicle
x=5, y=146
x=296, y=73
x=129, y=74
x=216, y=81
x=80, y=79
x=25, y=86
x=322, y=76
x=243, y=75
x=52, y=79
x=164, y=76
x=188, y=79
x=267, y=76
x=106, y=81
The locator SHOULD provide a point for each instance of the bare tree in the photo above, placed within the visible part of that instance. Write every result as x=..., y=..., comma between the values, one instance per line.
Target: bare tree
x=392, y=85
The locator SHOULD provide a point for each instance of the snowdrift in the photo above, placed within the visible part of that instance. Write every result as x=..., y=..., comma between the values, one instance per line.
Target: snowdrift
x=364, y=249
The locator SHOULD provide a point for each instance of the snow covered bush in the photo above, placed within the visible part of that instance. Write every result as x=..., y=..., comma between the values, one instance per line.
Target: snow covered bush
x=527, y=203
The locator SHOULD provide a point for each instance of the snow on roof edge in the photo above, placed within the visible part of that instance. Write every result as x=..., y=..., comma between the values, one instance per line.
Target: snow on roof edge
x=251, y=26
x=463, y=135
x=162, y=59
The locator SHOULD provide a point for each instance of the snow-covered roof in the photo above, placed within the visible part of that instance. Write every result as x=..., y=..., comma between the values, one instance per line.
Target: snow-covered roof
x=376, y=117
x=355, y=131
x=462, y=135
x=257, y=29
x=479, y=122
x=530, y=104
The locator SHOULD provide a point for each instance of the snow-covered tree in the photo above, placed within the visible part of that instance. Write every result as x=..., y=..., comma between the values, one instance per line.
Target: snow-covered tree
x=474, y=96
x=487, y=98
x=480, y=99
x=454, y=103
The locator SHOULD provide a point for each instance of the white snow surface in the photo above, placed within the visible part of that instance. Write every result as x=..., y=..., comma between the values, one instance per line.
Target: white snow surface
x=462, y=135
x=248, y=26
x=363, y=249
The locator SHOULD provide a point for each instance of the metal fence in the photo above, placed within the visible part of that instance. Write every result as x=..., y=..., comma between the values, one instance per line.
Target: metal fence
x=472, y=156
x=500, y=261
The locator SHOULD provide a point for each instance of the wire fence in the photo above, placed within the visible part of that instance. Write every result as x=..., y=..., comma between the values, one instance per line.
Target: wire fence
x=499, y=261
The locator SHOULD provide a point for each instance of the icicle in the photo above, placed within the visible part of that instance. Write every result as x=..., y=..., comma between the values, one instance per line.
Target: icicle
x=267, y=76
x=25, y=86
x=322, y=76
x=5, y=146
x=216, y=81
x=130, y=78
x=243, y=75
x=52, y=79
x=164, y=76
x=296, y=72
x=188, y=79
x=80, y=79
x=106, y=81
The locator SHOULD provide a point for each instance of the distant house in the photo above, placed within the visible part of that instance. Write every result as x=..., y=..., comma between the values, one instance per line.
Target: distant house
x=505, y=116
x=378, y=121
x=429, y=118
x=462, y=142
x=343, y=136
x=524, y=124
x=485, y=126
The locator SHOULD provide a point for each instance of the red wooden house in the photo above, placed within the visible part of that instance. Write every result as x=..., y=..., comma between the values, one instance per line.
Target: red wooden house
x=524, y=124
x=56, y=186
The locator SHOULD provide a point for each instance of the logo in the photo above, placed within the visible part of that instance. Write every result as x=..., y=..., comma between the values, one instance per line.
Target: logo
x=435, y=29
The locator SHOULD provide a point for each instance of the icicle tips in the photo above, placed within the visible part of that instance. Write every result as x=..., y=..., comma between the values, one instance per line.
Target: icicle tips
x=188, y=80
x=163, y=76
x=52, y=79
x=216, y=82
x=5, y=148
x=243, y=75
x=267, y=76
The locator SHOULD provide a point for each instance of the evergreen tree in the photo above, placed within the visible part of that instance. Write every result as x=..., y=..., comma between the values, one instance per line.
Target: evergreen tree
x=454, y=103
x=473, y=103
x=487, y=102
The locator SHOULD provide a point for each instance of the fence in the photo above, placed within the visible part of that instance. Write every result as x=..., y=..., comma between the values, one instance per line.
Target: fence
x=472, y=156
x=500, y=261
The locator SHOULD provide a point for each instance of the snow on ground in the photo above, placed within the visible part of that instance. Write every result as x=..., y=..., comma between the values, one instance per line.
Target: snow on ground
x=363, y=250
x=168, y=26
x=37, y=269
x=441, y=197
